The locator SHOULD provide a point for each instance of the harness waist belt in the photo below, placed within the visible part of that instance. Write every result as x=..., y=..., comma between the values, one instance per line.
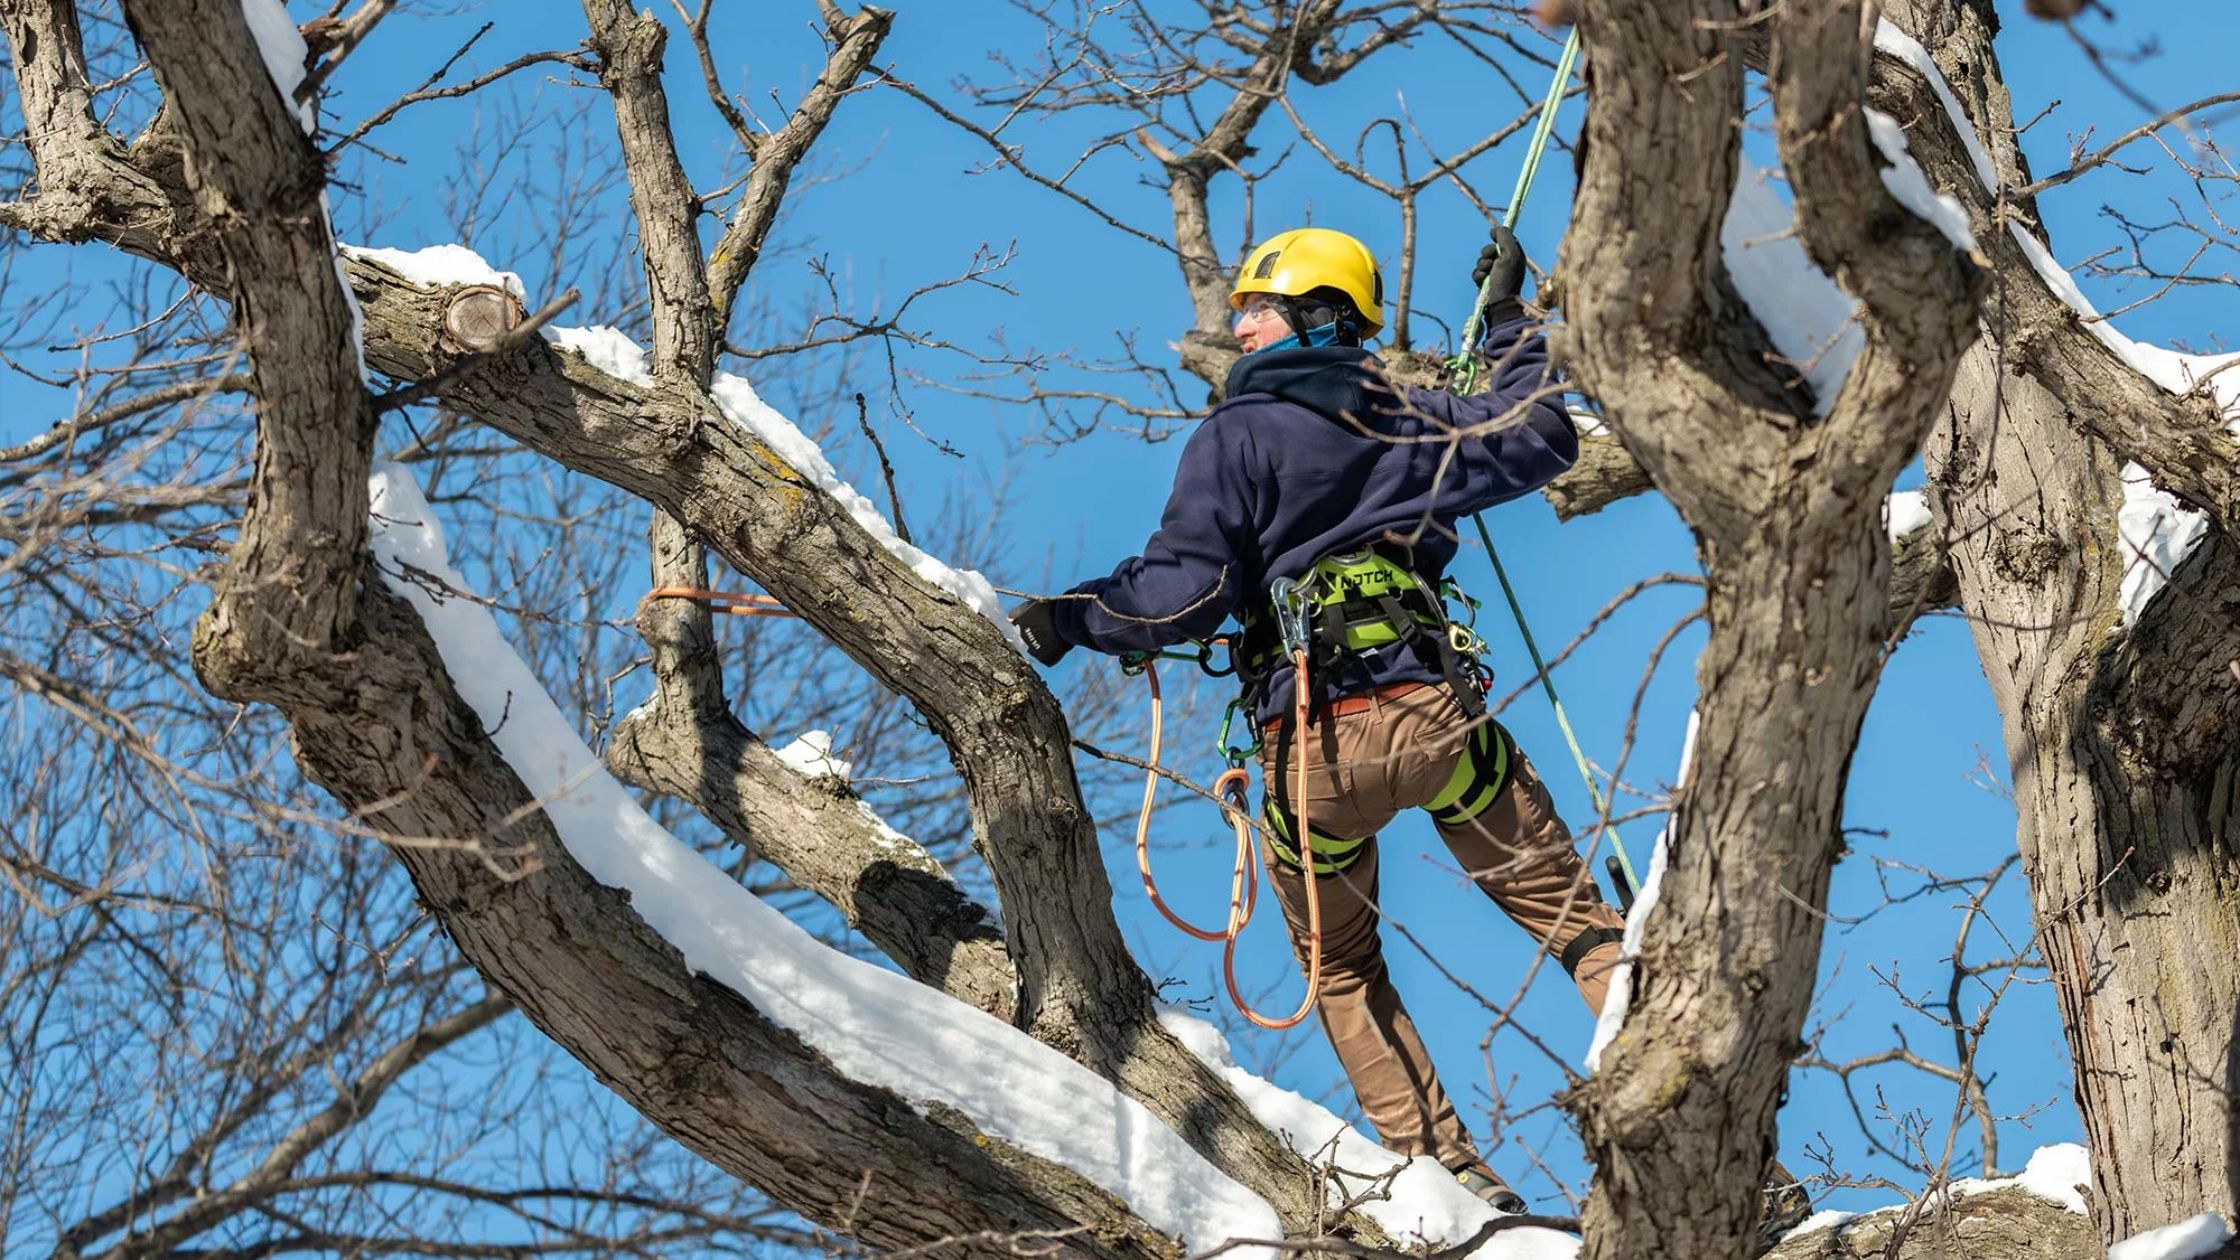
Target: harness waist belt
x=1358, y=702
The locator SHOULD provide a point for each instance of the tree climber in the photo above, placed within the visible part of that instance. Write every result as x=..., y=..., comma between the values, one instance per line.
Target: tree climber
x=1319, y=470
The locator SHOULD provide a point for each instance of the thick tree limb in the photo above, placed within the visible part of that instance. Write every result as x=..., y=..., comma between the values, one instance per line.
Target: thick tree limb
x=1786, y=505
x=2182, y=439
x=2121, y=747
x=1081, y=990
x=286, y=601
x=2120, y=738
x=686, y=743
x=377, y=722
x=1084, y=993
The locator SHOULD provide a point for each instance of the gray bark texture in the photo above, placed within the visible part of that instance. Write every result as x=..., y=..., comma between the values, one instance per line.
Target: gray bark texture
x=2121, y=742
x=225, y=188
x=2002, y=1224
x=376, y=721
x=1786, y=506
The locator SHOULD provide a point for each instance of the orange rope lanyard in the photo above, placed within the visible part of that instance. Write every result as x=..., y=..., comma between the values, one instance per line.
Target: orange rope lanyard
x=737, y=604
x=1234, y=788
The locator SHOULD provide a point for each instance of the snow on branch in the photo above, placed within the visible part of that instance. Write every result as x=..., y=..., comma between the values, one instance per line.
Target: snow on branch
x=612, y=351
x=2157, y=531
x=1810, y=319
x=871, y=1024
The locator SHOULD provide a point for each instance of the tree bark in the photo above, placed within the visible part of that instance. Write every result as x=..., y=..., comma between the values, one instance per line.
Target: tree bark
x=2121, y=744
x=2004, y=1224
x=1786, y=505
x=377, y=723
x=230, y=195
x=2121, y=749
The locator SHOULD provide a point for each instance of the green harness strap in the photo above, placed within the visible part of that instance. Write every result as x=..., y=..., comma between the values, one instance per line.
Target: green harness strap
x=1466, y=373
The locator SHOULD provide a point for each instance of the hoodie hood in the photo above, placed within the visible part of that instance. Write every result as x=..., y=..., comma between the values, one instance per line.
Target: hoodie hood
x=1334, y=382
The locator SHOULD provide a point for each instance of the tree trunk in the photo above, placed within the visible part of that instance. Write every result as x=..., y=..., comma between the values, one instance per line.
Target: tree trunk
x=2121, y=744
x=2124, y=778
x=1785, y=498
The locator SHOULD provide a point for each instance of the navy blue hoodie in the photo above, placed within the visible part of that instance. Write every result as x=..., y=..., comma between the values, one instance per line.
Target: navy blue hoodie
x=1313, y=453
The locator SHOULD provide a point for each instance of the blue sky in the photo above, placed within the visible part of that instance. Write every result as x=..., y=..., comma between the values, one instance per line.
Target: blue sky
x=898, y=204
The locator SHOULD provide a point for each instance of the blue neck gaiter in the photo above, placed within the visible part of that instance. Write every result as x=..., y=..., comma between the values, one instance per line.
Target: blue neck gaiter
x=1322, y=336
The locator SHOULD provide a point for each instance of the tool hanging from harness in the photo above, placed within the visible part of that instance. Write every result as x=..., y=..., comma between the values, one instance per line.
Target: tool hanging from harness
x=1232, y=789
x=1355, y=602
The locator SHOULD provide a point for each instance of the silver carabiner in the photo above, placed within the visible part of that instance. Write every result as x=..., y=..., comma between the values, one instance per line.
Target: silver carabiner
x=1290, y=602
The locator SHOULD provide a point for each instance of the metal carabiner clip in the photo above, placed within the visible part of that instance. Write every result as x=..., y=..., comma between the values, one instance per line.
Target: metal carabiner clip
x=1290, y=602
x=1237, y=756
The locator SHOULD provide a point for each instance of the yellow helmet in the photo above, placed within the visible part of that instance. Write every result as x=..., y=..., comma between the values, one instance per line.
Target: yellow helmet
x=1295, y=263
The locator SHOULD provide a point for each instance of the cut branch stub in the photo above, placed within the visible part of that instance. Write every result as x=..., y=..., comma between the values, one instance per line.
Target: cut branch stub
x=478, y=316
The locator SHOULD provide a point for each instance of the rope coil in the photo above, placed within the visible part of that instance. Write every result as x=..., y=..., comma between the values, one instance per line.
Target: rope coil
x=1234, y=789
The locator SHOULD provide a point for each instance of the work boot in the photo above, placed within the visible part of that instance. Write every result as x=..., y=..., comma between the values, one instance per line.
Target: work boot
x=1782, y=1206
x=1479, y=1180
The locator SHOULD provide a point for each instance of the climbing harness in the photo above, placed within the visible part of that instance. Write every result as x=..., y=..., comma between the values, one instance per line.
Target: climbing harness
x=1361, y=600
x=1345, y=604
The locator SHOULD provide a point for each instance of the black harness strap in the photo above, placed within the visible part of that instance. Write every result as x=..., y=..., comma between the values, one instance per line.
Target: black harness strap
x=1435, y=652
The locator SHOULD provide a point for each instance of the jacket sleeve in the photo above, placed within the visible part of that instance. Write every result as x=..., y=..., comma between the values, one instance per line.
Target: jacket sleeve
x=1519, y=435
x=1191, y=573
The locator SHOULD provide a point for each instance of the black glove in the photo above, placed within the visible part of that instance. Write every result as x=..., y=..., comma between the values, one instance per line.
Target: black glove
x=1504, y=261
x=1037, y=620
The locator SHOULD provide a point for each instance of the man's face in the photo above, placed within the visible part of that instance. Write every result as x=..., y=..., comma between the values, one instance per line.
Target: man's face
x=1260, y=324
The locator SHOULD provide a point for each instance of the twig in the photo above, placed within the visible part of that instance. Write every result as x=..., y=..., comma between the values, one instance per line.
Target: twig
x=886, y=469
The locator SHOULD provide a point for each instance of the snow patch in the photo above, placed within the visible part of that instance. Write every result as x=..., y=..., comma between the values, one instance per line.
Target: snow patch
x=1892, y=39
x=2186, y=1240
x=1424, y=1199
x=437, y=266
x=1613, y=1014
x=1905, y=181
x=606, y=348
x=810, y=755
x=872, y=1024
x=1588, y=423
x=284, y=52
x=2157, y=533
x=1819, y=1221
x=1810, y=319
x=2053, y=1173
x=1904, y=512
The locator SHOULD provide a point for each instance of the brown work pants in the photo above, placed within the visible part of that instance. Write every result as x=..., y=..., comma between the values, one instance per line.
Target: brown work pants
x=1362, y=769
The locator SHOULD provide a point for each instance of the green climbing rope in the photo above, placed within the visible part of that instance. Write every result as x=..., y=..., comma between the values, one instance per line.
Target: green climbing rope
x=1467, y=373
x=1545, y=127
